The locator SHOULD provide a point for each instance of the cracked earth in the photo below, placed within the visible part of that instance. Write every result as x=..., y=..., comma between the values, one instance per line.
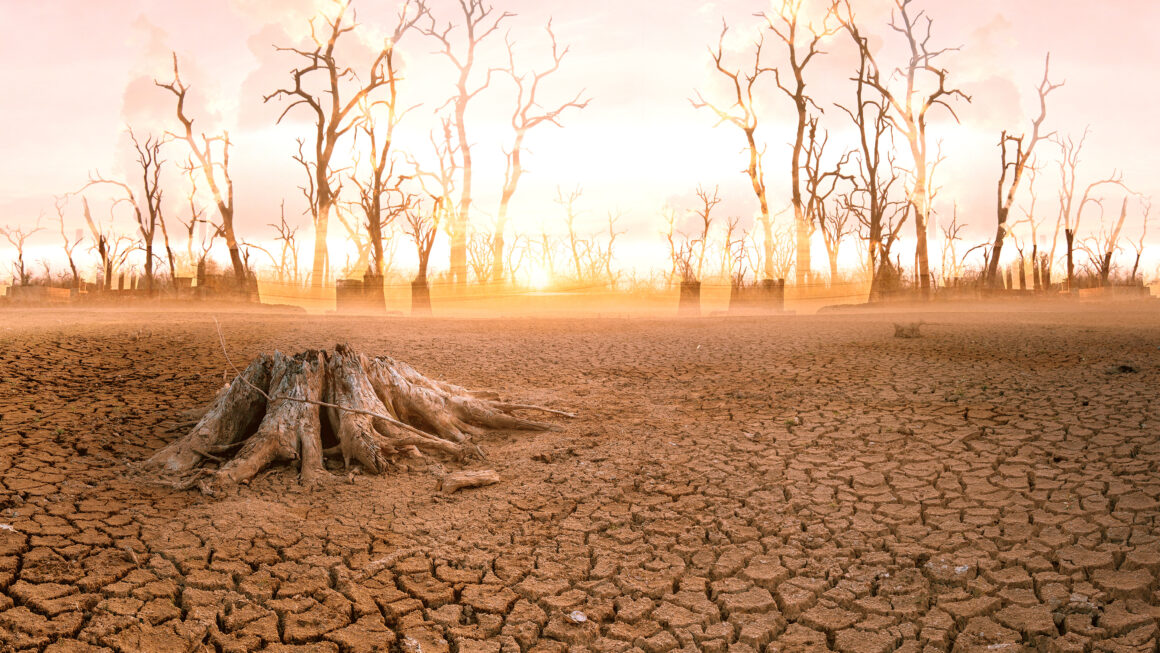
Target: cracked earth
x=784, y=484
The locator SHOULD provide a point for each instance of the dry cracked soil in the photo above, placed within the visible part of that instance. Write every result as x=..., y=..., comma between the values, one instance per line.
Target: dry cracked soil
x=731, y=484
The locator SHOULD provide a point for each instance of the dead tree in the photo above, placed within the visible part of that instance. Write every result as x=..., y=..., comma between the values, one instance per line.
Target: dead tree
x=18, y=237
x=377, y=128
x=908, y=108
x=1102, y=246
x=288, y=260
x=1138, y=246
x=1015, y=162
x=69, y=244
x=741, y=114
x=216, y=171
x=529, y=113
x=333, y=116
x=1070, y=212
x=880, y=216
x=670, y=234
x=1040, y=274
x=575, y=243
x=197, y=217
x=730, y=252
x=784, y=242
x=517, y=255
x=422, y=227
x=704, y=214
x=608, y=255
x=831, y=218
x=356, y=235
x=150, y=217
x=112, y=248
x=479, y=22
x=549, y=249
x=801, y=40
x=479, y=255
x=951, y=236
x=379, y=409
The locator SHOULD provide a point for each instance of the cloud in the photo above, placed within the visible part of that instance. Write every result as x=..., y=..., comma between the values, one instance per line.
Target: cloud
x=995, y=105
x=143, y=104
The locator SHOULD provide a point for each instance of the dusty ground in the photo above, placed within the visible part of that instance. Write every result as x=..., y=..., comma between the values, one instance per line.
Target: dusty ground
x=732, y=484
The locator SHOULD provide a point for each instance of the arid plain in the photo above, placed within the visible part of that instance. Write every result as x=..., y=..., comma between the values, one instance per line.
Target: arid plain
x=730, y=484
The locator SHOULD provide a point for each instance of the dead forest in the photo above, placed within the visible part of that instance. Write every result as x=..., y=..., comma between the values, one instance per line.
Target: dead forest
x=861, y=177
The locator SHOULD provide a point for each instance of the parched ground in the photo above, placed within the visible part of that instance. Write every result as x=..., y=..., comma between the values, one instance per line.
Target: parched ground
x=781, y=484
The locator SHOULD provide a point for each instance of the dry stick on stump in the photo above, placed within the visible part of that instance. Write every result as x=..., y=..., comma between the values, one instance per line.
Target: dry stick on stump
x=473, y=478
x=379, y=409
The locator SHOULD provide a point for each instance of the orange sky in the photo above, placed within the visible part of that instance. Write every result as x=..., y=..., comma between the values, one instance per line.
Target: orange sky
x=78, y=71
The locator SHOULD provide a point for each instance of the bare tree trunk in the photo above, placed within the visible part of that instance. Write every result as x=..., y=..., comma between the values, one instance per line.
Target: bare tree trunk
x=1035, y=278
x=921, y=208
x=1069, y=235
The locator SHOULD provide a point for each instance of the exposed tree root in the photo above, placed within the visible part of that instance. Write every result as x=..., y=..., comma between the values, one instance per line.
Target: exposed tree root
x=378, y=410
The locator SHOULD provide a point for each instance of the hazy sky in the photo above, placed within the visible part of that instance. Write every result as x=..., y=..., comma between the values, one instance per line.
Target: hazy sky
x=77, y=72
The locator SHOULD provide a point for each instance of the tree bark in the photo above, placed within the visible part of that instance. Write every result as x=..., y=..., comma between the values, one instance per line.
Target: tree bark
x=1069, y=235
x=379, y=409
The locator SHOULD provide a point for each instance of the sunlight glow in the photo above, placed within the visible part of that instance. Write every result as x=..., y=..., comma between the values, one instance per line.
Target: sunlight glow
x=539, y=277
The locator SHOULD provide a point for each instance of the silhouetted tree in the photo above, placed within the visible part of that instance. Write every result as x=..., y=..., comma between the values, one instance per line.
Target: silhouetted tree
x=741, y=114
x=69, y=244
x=333, y=116
x=704, y=213
x=575, y=243
x=112, y=248
x=529, y=112
x=17, y=237
x=908, y=108
x=1102, y=246
x=1015, y=162
x=479, y=22
x=832, y=218
x=881, y=217
x=377, y=128
x=801, y=42
x=288, y=269
x=149, y=217
x=1071, y=213
x=216, y=171
x=1138, y=246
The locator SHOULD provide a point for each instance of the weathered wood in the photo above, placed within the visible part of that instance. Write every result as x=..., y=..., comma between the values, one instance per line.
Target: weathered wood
x=475, y=478
x=349, y=387
x=380, y=409
x=909, y=330
x=291, y=428
x=234, y=414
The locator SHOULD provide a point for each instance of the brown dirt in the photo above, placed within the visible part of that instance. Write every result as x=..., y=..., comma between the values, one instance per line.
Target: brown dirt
x=780, y=484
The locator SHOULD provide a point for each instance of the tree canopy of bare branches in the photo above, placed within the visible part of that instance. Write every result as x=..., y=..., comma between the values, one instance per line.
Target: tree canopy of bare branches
x=740, y=112
x=204, y=149
x=1016, y=162
x=149, y=217
x=1071, y=212
x=333, y=115
x=908, y=108
x=17, y=237
x=529, y=113
x=802, y=41
x=480, y=21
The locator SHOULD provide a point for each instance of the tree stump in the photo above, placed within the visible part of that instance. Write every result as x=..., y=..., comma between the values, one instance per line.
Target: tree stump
x=909, y=330
x=689, y=301
x=377, y=408
x=420, y=298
